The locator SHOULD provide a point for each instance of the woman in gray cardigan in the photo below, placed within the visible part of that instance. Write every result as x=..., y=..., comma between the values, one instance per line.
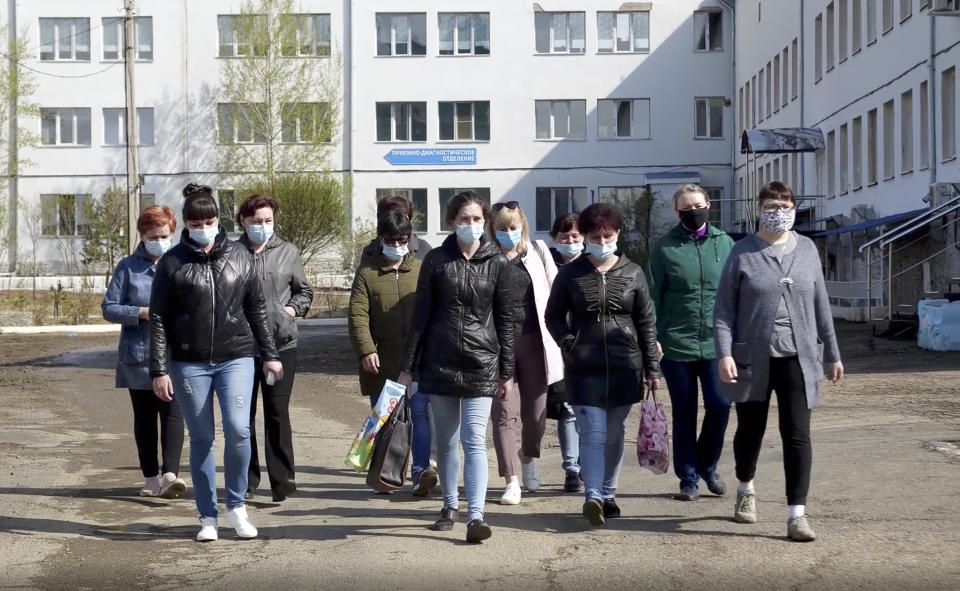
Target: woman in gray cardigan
x=774, y=332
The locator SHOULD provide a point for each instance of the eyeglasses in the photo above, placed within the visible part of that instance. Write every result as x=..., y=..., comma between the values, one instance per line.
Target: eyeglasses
x=508, y=205
x=775, y=208
x=396, y=241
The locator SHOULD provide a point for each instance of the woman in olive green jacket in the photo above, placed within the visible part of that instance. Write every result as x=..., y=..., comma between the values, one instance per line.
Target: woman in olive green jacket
x=381, y=311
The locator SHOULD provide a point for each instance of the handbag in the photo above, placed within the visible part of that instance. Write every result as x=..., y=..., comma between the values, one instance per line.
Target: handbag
x=653, y=449
x=391, y=450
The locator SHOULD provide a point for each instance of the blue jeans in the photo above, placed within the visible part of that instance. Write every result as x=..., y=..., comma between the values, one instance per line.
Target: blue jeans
x=695, y=457
x=569, y=439
x=464, y=419
x=601, y=448
x=194, y=384
x=420, y=444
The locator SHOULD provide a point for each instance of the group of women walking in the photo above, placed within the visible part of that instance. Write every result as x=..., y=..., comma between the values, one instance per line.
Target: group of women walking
x=490, y=325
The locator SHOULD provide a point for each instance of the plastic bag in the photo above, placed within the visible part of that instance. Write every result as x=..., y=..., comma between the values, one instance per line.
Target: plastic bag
x=360, y=452
x=653, y=449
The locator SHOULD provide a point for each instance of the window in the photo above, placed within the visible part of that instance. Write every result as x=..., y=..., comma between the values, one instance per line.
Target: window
x=753, y=104
x=708, y=30
x=64, y=215
x=871, y=21
x=796, y=164
x=794, y=71
x=115, y=127
x=402, y=34
x=305, y=35
x=842, y=30
x=770, y=83
x=465, y=121
x=65, y=127
x=65, y=39
x=831, y=47
x=416, y=196
x=872, y=146
x=146, y=200
x=742, y=111
x=856, y=19
x=844, y=159
x=906, y=9
x=857, y=145
x=464, y=33
x=776, y=83
x=924, y=125
x=776, y=171
x=114, y=38
x=560, y=32
x=227, y=203
x=623, y=118
x=760, y=94
x=561, y=119
x=906, y=132
x=818, y=47
x=948, y=114
x=623, y=32
x=786, y=79
x=748, y=107
x=445, y=195
x=556, y=201
x=242, y=123
x=709, y=117
x=305, y=123
x=401, y=122
x=887, y=15
x=831, y=156
x=242, y=35
x=888, y=139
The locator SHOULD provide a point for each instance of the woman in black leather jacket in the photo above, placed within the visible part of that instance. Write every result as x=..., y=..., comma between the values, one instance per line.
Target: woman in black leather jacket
x=461, y=347
x=609, y=342
x=208, y=312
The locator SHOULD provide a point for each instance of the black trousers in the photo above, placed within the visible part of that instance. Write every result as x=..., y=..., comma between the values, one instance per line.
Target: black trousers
x=147, y=408
x=786, y=379
x=278, y=448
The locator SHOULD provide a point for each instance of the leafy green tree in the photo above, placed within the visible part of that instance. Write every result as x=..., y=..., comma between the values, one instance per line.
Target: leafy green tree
x=104, y=232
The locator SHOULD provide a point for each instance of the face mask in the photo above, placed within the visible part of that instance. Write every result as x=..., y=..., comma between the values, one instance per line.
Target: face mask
x=778, y=221
x=570, y=251
x=204, y=236
x=395, y=253
x=694, y=219
x=601, y=251
x=469, y=233
x=156, y=248
x=509, y=238
x=260, y=233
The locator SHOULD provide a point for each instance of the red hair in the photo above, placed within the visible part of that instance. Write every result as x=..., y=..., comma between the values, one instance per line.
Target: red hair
x=156, y=216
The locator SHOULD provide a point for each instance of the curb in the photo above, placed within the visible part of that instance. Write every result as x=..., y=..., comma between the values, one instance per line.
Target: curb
x=112, y=328
x=323, y=322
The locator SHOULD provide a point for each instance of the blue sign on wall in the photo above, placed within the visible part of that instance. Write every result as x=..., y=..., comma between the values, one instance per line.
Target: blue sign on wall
x=432, y=156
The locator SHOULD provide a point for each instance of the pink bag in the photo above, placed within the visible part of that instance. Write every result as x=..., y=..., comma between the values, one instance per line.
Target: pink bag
x=653, y=449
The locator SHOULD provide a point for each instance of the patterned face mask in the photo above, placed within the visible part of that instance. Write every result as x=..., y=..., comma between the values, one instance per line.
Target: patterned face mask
x=778, y=221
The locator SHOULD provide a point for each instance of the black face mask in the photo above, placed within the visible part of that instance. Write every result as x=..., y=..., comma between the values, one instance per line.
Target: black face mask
x=693, y=219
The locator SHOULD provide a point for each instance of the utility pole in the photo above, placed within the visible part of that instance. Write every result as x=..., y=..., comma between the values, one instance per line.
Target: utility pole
x=133, y=159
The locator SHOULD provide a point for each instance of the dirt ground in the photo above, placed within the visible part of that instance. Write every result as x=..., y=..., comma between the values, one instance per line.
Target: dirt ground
x=885, y=498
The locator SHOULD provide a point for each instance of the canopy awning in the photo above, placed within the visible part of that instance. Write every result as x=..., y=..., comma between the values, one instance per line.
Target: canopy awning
x=781, y=141
x=870, y=223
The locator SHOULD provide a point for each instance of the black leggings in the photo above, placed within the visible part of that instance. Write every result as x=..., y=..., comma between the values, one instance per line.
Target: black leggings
x=786, y=379
x=278, y=449
x=146, y=409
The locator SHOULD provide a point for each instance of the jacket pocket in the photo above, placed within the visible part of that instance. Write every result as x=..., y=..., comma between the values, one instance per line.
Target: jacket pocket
x=819, y=352
x=134, y=347
x=285, y=329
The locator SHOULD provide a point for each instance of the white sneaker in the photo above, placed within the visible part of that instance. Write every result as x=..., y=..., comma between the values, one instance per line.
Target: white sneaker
x=531, y=479
x=208, y=529
x=238, y=520
x=151, y=487
x=511, y=495
x=171, y=487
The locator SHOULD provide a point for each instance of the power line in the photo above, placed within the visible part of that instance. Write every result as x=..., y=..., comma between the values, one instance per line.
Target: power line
x=87, y=75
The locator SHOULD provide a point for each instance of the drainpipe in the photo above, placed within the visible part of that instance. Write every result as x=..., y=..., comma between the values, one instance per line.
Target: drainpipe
x=347, y=136
x=733, y=93
x=803, y=97
x=12, y=146
x=931, y=101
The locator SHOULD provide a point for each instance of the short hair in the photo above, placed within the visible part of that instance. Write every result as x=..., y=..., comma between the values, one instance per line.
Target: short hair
x=599, y=216
x=461, y=200
x=776, y=190
x=690, y=188
x=395, y=202
x=393, y=222
x=199, y=203
x=255, y=202
x=156, y=216
x=502, y=217
x=564, y=223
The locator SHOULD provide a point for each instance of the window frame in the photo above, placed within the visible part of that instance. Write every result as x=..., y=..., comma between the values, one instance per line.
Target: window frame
x=122, y=126
x=923, y=98
x=483, y=192
x=843, y=158
x=455, y=39
x=256, y=20
x=906, y=132
x=856, y=32
x=75, y=128
x=551, y=35
x=633, y=118
x=948, y=106
x=631, y=14
x=889, y=153
x=857, y=153
x=553, y=137
x=421, y=218
x=393, y=16
x=116, y=23
x=411, y=120
x=58, y=39
x=584, y=193
x=818, y=48
x=298, y=19
x=318, y=111
x=474, y=128
x=239, y=108
x=708, y=121
x=79, y=221
x=708, y=47
x=873, y=172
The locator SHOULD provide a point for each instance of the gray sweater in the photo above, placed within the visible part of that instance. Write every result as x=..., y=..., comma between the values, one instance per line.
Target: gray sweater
x=751, y=286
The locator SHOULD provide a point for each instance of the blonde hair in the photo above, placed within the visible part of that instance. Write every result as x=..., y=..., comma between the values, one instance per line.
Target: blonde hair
x=690, y=188
x=501, y=219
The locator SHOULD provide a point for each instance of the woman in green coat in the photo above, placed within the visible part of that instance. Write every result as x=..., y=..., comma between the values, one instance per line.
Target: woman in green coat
x=381, y=311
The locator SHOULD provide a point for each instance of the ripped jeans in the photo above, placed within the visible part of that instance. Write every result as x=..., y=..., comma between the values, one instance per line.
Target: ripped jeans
x=194, y=385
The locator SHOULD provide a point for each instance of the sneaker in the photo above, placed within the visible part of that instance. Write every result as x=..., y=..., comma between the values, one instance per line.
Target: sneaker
x=171, y=487
x=477, y=531
x=425, y=482
x=285, y=489
x=250, y=494
x=531, y=479
x=238, y=520
x=715, y=485
x=572, y=483
x=208, y=529
x=745, y=510
x=448, y=517
x=799, y=530
x=688, y=492
x=151, y=487
x=511, y=494
x=593, y=511
x=610, y=509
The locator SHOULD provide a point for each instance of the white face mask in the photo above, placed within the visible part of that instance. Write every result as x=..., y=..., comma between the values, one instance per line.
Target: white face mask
x=469, y=233
x=157, y=248
x=395, y=253
x=259, y=233
x=601, y=251
x=204, y=236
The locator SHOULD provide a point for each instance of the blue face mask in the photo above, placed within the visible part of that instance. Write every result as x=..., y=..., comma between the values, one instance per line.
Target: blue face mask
x=156, y=248
x=469, y=233
x=509, y=238
x=570, y=251
x=260, y=233
x=601, y=251
x=204, y=236
x=395, y=253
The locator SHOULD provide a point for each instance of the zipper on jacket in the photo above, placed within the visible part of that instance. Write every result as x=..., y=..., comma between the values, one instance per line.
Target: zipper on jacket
x=462, y=283
x=213, y=307
x=700, y=315
x=602, y=317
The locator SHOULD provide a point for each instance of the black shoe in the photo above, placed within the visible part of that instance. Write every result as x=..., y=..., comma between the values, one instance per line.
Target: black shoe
x=477, y=531
x=284, y=490
x=572, y=483
x=425, y=482
x=250, y=494
x=610, y=509
x=715, y=484
x=593, y=511
x=688, y=492
x=448, y=516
